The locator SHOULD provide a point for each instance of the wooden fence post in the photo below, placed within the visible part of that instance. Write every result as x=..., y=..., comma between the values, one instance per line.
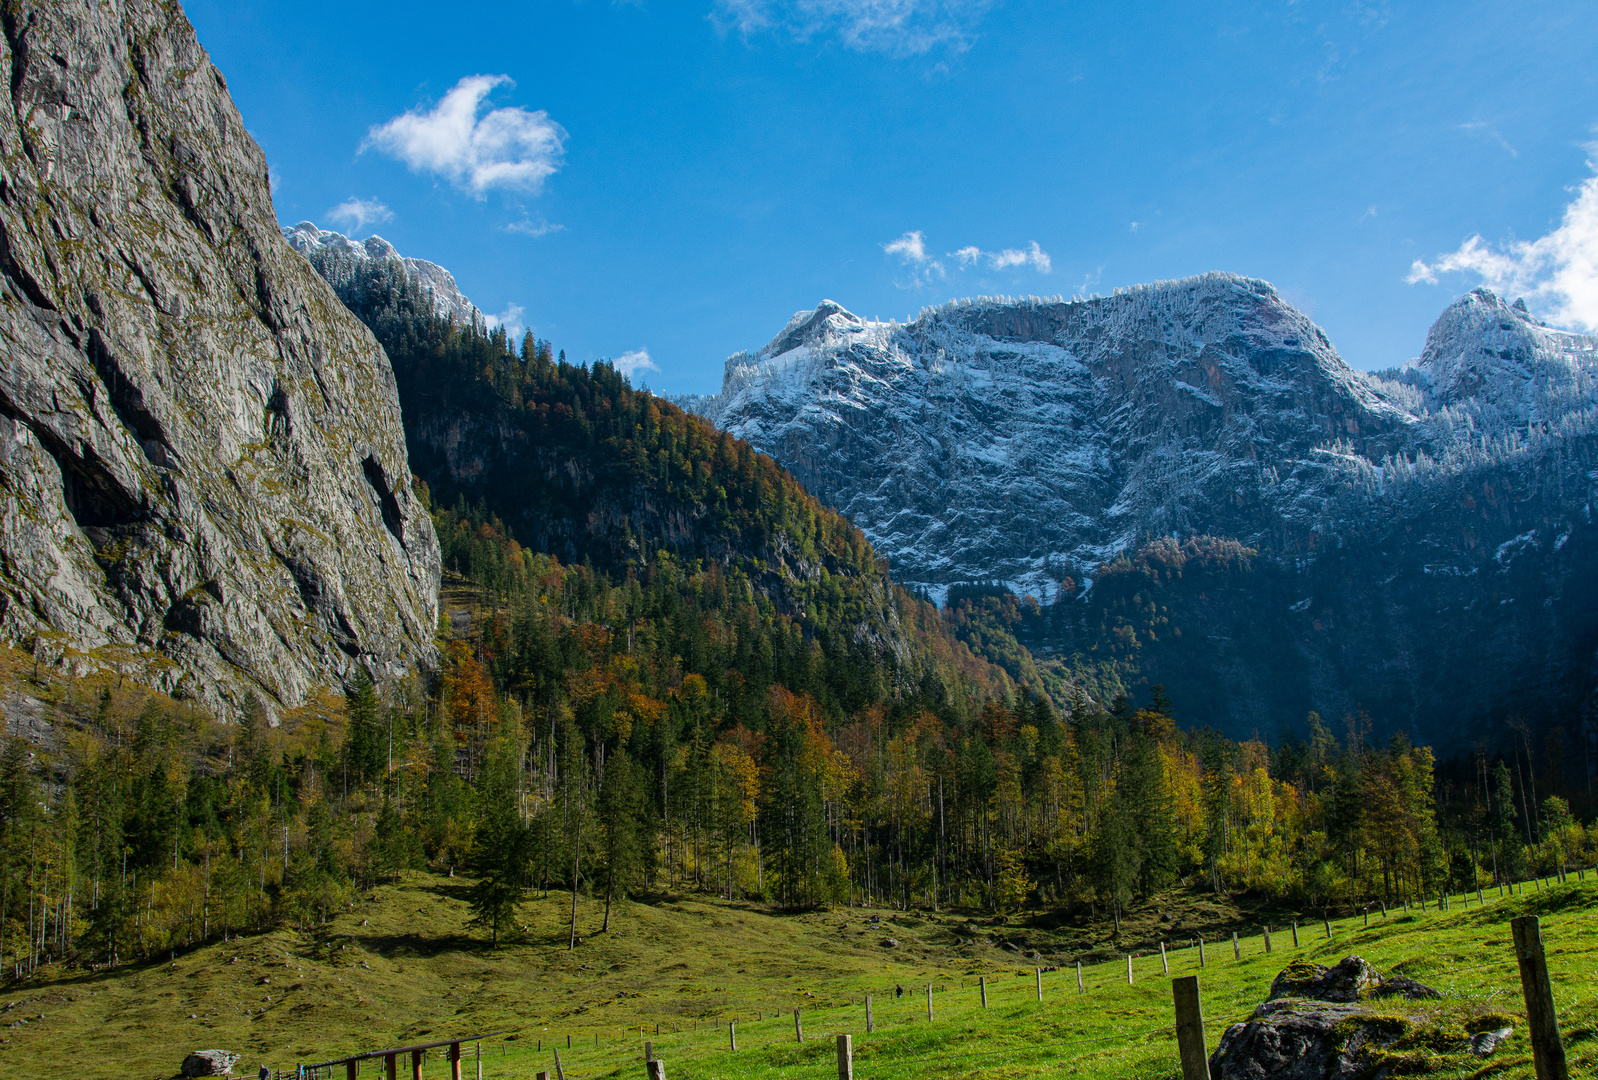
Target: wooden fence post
x=1295, y=933
x=1190, y=1028
x=1547, y=1048
x=1079, y=987
x=982, y=985
x=1237, y=953
x=1201, y=950
x=870, y=1027
x=1129, y=969
x=845, y=1058
x=1367, y=914
x=649, y=1050
x=1040, y=983
x=732, y=1035
x=1164, y=963
x=798, y=1027
x=1327, y=919
x=560, y=1073
x=1267, y=941
x=416, y=1065
x=929, y=1003
x=655, y=1069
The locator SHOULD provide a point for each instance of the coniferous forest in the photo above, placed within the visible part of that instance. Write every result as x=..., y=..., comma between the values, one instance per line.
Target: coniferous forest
x=724, y=693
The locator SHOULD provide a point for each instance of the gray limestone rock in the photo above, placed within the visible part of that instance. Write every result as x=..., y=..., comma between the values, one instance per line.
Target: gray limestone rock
x=1349, y=980
x=210, y=1063
x=1483, y=1043
x=1299, y=1040
x=203, y=477
x=1314, y=1025
x=1399, y=986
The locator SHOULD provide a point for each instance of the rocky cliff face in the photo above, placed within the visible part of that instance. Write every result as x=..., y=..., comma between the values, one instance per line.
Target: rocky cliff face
x=203, y=476
x=1416, y=542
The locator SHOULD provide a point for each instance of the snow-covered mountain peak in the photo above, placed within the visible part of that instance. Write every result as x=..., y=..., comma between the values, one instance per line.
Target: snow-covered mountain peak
x=338, y=259
x=1498, y=362
x=829, y=316
x=1029, y=439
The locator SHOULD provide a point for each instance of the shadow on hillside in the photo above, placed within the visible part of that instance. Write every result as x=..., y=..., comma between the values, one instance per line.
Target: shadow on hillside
x=421, y=945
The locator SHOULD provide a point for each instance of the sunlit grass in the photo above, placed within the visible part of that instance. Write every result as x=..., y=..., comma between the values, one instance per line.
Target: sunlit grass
x=400, y=968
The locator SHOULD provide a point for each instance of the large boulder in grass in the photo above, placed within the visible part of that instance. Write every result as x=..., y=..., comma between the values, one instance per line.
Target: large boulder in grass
x=1303, y=1040
x=210, y=1063
x=1351, y=979
x=1314, y=1026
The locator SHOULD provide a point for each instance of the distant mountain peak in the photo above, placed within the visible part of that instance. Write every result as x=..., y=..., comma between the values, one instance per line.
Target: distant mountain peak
x=337, y=257
x=1492, y=357
x=1025, y=439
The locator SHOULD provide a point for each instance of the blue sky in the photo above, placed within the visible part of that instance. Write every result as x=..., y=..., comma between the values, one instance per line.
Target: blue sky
x=678, y=178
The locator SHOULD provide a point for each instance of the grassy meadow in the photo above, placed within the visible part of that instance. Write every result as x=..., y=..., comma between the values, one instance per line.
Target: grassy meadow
x=400, y=967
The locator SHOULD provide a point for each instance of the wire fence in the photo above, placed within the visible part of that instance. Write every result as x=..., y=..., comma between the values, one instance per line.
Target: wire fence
x=705, y=1035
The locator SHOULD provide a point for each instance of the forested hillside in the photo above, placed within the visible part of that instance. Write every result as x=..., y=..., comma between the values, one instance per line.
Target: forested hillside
x=652, y=735
x=664, y=667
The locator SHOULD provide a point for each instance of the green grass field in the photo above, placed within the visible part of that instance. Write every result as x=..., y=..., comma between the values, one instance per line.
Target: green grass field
x=400, y=968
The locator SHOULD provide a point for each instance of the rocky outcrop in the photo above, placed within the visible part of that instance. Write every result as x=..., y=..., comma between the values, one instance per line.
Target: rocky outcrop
x=1316, y=1025
x=210, y=1063
x=1351, y=979
x=203, y=476
x=1295, y=1040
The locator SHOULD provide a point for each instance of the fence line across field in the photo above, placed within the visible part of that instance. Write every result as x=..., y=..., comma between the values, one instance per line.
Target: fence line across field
x=1171, y=951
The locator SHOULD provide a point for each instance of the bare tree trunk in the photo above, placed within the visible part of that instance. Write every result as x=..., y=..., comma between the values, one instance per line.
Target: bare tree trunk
x=577, y=848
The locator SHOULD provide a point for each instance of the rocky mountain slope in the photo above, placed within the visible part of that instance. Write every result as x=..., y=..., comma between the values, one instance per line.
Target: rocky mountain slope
x=575, y=463
x=203, y=476
x=1415, y=542
x=1029, y=441
x=342, y=261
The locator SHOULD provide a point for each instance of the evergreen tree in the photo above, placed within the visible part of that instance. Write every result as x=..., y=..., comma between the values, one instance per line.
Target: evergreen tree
x=499, y=852
x=622, y=826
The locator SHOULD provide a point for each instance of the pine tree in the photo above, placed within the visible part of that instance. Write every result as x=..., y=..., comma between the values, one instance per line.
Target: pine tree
x=621, y=821
x=499, y=852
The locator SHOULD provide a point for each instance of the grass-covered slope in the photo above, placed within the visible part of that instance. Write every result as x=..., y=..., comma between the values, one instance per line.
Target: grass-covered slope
x=400, y=966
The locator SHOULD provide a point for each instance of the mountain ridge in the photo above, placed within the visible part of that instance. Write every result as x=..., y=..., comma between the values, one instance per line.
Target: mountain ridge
x=1051, y=445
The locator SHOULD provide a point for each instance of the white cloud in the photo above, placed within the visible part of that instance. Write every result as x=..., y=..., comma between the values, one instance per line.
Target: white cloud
x=912, y=251
x=1557, y=273
x=631, y=363
x=534, y=227
x=1033, y=256
x=356, y=214
x=511, y=319
x=911, y=247
x=898, y=27
x=502, y=148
